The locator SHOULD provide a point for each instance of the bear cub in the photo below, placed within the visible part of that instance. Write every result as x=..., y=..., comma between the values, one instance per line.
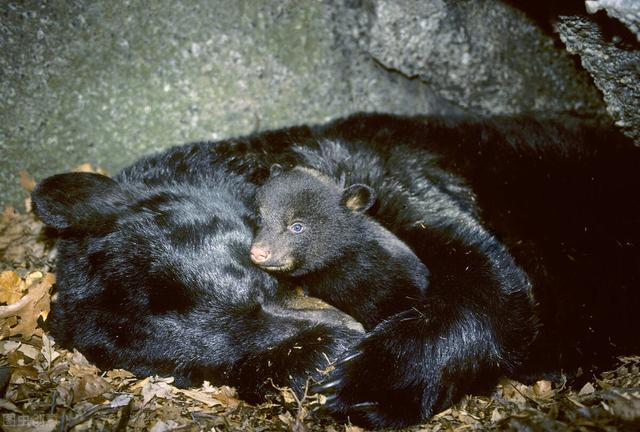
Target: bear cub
x=315, y=235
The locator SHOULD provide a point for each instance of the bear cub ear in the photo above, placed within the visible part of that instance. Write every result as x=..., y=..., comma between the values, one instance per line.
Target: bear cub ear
x=275, y=170
x=358, y=198
x=78, y=200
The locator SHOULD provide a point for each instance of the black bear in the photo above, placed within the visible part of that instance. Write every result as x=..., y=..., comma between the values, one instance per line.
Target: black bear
x=156, y=278
x=530, y=229
x=317, y=234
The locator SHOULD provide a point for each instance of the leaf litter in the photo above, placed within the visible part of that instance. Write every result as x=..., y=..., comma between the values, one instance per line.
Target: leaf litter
x=44, y=387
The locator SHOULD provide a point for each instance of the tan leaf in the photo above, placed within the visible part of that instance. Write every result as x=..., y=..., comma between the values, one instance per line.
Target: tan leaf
x=29, y=351
x=89, y=386
x=47, y=350
x=85, y=167
x=287, y=395
x=27, y=182
x=586, y=389
x=11, y=287
x=543, y=389
x=78, y=358
x=7, y=346
x=7, y=405
x=88, y=168
x=34, y=304
x=121, y=400
x=200, y=397
x=65, y=392
x=164, y=426
x=114, y=374
x=80, y=370
x=157, y=387
x=496, y=415
x=286, y=418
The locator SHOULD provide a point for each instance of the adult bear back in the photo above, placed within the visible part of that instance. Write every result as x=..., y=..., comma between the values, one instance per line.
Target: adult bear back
x=530, y=230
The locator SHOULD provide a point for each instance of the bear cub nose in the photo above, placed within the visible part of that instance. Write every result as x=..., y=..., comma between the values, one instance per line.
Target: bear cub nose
x=259, y=254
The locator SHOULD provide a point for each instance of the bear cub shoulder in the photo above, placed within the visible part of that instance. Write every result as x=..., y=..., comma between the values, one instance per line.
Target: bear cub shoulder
x=316, y=235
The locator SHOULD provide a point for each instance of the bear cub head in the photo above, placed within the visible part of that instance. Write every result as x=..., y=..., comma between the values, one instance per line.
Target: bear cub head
x=306, y=222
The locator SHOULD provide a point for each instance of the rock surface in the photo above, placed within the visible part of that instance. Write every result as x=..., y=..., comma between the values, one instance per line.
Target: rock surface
x=106, y=83
x=627, y=11
x=614, y=65
x=90, y=81
x=484, y=55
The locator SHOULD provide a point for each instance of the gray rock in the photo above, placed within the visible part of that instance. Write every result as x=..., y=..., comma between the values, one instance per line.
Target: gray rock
x=107, y=82
x=483, y=55
x=627, y=11
x=615, y=70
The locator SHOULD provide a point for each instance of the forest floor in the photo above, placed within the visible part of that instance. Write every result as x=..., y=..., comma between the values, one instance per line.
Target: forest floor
x=46, y=388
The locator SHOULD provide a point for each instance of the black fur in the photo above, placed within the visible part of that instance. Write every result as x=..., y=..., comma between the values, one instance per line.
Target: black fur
x=340, y=255
x=156, y=279
x=505, y=213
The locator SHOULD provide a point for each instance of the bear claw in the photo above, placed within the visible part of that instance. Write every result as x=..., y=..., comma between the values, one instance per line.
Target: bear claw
x=365, y=406
x=321, y=388
x=347, y=358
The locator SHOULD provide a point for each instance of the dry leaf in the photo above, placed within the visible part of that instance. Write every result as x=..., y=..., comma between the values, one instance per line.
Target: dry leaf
x=511, y=391
x=114, y=374
x=8, y=346
x=157, y=387
x=200, y=397
x=27, y=182
x=163, y=426
x=586, y=389
x=47, y=350
x=624, y=404
x=11, y=287
x=78, y=359
x=88, y=387
x=121, y=401
x=543, y=389
x=65, y=393
x=496, y=415
x=7, y=405
x=286, y=418
x=29, y=351
x=34, y=304
x=88, y=168
x=28, y=424
x=80, y=370
x=287, y=395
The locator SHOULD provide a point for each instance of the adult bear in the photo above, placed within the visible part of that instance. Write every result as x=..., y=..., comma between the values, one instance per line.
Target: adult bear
x=530, y=230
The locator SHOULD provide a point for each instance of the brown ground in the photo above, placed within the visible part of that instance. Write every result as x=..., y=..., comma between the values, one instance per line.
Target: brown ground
x=46, y=388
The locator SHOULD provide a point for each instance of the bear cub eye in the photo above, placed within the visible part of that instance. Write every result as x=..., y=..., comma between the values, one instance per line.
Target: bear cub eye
x=296, y=228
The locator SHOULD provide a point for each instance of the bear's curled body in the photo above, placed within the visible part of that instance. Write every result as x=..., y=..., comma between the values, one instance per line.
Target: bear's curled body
x=338, y=253
x=526, y=226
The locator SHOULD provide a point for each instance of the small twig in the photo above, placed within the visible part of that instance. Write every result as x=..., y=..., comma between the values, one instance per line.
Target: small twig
x=86, y=415
x=298, y=400
x=125, y=417
x=538, y=404
x=54, y=396
x=83, y=417
x=62, y=420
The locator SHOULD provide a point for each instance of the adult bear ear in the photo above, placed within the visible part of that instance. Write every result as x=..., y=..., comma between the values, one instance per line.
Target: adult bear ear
x=77, y=200
x=275, y=170
x=358, y=198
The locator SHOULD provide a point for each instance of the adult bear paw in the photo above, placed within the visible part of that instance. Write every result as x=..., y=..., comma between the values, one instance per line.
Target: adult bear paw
x=378, y=384
x=409, y=368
